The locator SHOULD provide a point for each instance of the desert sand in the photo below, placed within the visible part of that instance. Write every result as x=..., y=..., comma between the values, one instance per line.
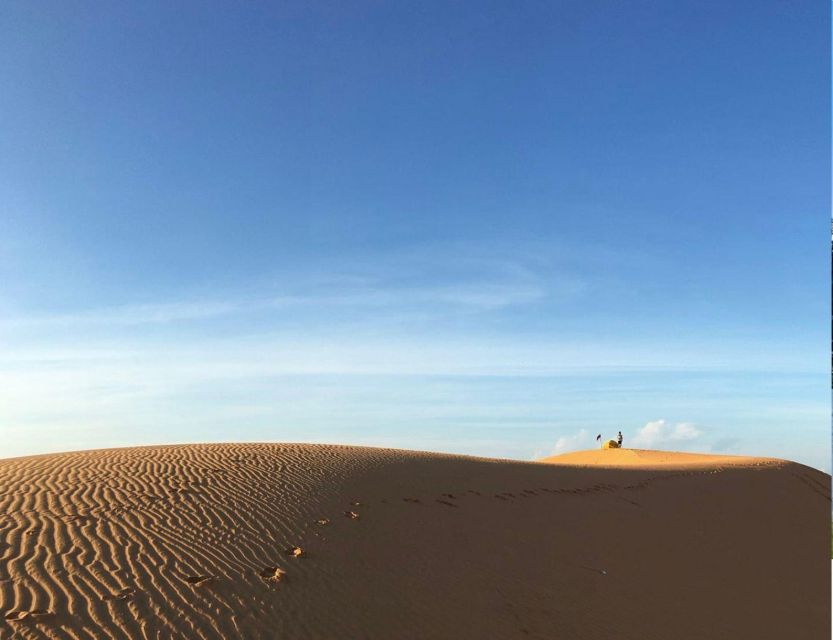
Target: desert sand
x=318, y=541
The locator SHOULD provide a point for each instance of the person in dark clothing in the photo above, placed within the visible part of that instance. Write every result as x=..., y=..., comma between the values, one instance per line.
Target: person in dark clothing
x=598, y=437
x=619, y=439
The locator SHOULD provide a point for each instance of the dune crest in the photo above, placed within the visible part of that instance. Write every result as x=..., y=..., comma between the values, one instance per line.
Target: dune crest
x=653, y=459
x=318, y=541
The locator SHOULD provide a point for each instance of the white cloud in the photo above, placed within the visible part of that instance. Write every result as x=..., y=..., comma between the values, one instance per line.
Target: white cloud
x=479, y=296
x=433, y=284
x=685, y=431
x=659, y=433
x=583, y=439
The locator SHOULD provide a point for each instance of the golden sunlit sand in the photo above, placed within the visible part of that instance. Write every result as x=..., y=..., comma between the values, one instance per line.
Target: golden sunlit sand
x=315, y=541
x=651, y=459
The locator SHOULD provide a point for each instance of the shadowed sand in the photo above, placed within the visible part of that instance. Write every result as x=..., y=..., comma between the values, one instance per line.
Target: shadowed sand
x=314, y=541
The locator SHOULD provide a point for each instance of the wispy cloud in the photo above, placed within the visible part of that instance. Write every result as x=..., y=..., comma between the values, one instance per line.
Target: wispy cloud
x=659, y=433
x=582, y=439
x=126, y=315
x=344, y=351
x=399, y=288
x=435, y=344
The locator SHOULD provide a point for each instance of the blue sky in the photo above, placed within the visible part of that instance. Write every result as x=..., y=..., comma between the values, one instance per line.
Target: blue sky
x=481, y=227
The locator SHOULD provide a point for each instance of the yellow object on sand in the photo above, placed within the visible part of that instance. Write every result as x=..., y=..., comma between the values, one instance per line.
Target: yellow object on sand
x=610, y=444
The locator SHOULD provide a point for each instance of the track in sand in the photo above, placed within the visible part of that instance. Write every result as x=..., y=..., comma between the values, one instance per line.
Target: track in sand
x=316, y=541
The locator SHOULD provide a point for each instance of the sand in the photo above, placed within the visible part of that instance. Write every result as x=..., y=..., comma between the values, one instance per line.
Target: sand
x=315, y=541
x=650, y=459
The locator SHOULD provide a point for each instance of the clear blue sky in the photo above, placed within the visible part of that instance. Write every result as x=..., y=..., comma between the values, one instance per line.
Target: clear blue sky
x=483, y=227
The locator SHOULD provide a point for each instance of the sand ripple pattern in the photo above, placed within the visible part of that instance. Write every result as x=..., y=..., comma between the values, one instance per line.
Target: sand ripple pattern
x=154, y=542
x=320, y=541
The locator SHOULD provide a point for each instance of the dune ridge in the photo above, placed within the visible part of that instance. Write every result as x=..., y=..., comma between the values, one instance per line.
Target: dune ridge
x=323, y=541
x=653, y=459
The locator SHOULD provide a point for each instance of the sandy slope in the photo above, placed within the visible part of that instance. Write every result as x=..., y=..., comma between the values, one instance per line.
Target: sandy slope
x=650, y=459
x=191, y=542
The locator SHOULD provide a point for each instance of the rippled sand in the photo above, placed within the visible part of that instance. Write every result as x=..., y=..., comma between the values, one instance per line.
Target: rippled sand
x=314, y=541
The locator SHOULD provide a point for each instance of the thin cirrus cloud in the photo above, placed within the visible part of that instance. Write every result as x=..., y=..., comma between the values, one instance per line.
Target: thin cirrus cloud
x=334, y=292
x=428, y=342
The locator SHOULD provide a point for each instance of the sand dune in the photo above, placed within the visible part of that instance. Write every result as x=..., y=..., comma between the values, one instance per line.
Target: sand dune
x=651, y=459
x=309, y=541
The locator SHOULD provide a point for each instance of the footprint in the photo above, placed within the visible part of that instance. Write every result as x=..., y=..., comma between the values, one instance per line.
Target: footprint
x=20, y=616
x=356, y=504
x=447, y=503
x=198, y=580
x=414, y=500
x=449, y=495
x=272, y=574
x=352, y=515
x=122, y=594
x=295, y=552
x=322, y=521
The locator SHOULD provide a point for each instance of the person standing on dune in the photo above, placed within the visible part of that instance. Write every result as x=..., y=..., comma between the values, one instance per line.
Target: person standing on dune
x=619, y=439
x=599, y=438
